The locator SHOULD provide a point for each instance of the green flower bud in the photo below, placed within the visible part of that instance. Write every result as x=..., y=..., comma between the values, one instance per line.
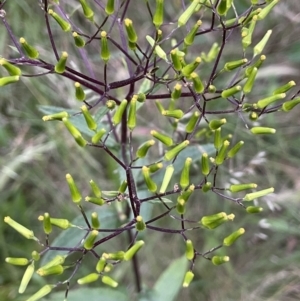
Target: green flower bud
x=96, y=201
x=189, y=249
x=185, y=174
x=143, y=149
x=172, y=153
x=167, y=178
x=216, y=123
x=245, y=20
x=258, y=49
x=250, y=81
x=197, y=83
x=19, y=228
x=155, y=167
x=205, y=164
x=149, y=182
x=79, y=41
x=55, y=270
x=192, y=122
x=168, y=141
x=110, y=104
x=206, y=187
x=269, y=100
x=17, y=261
x=61, y=223
x=140, y=224
x=180, y=207
x=9, y=80
x=190, y=68
x=233, y=151
x=158, y=50
x=241, y=187
x=253, y=116
x=189, y=39
x=11, y=69
x=158, y=17
x=35, y=255
x=119, y=112
x=159, y=106
x=89, y=242
x=235, y=64
x=229, y=240
x=186, y=15
x=141, y=97
x=215, y=220
x=222, y=7
x=109, y=281
x=116, y=256
x=88, y=12
x=75, y=194
x=101, y=264
x=266, y=10
x=218, y=141
x=45, y=290
x=222, y=153
x=212, y=89
x=173, y=113
x=56, y=116
x=26, y=277
x=247, y=39
x=177, y=91
x=231, y=91
x=189, y=275
x=95, y=220
x=133, y=250
x=176, y=64
x=98, y=136
x=57, y=260
x=254, y=209
x=131, y=34
x=65, y=26
x=187, y=193
x=217, y=260
x=131, y=123
x=110, y=7
x=88, y=278
x=213, y=52
x=285, y=87
x=289, y=105
x=105, y=53
x=47, y=224
x=258, y=194
x=257, y=65
x=91, y=123
x=79, y=92
x=123, y=187
x=29, y=50
x=258, y=130
x=60, y=66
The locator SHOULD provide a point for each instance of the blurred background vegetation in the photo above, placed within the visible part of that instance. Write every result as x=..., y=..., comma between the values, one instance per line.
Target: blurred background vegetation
x=35, y=156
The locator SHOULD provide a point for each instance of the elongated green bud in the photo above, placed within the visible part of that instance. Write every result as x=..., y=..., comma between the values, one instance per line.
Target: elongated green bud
x=105, y=53
x=205, y=164
x=235, y=64
x=242, y=187
x=140, y=224
x=98, y=136
x=131, y=33
x=266, y=10
x=245, y=20
x=234, y=150
x=206, y=187
x=131, y=122
x=187, y=193
x=133, y=250
x=168, y=141
x=19, y=228
x=222, y=7
x=173, y=113
x=29, y=50
x=258, y=194
x=250, y=81
x=167, y=178
x=189, y=249
x=229, y=240
x=60, y=66
x=222, y=153
x=144, y=148
x=65, y=26
x=45, y=290
x=188, y=277
x=197, y=83
x=26, y=277
x=119, y=112
x=60, y=223
x=47, y=224
x=285, y=87
x=96, y=201
x=213, y=52
x=190, y=68
x=269, y=100
x=95, y=220
x=189, y=39
x=172, y=153
x=158, y=17
x=88, y=278
x=218, y=141
x=217, y=260
x=180, y=206
x=257, y=65
x=192, y=122
x=177, y=91
x=215, y=220
x=123, y=187
x=91, y=123
x=110, y=7
x=254, y=209
x=57, y=260
x=231, y=91
x=109, y=281
x=186, y=15
x=75, y=194
x=95, y=188
x=258, y=49
x=56, y=116
x=159, y=106
x=9, y=80
x=17, y=261
x=155, y=167
x=35, y=255
x=149, y=182
x=11, y=69
x=247, y=36
x=55, y=270
x=158, y=50
x=101, y=264
x=216, y=123
x=185, y=174
x=79, y=41
x=176, y=63
x=289, y=105
x=89, y=242
x=79, y=92
x=87, y=11
x=260, y=130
